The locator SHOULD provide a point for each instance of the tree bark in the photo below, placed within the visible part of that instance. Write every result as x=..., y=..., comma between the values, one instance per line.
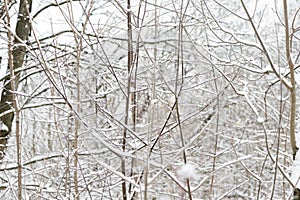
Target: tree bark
x=18, y=52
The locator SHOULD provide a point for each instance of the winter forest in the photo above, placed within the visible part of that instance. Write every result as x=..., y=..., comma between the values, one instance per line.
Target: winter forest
x=149, y=99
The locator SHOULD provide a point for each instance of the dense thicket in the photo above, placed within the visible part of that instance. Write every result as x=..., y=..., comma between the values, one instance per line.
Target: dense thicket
x=153, y=99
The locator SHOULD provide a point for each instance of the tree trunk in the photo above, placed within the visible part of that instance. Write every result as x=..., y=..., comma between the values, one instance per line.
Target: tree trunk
x=18, y=52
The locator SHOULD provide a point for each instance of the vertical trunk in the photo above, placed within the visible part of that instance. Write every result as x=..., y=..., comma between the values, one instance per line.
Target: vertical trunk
x=178, y=87
x=9, y=98
x=78, y=41
x=129, y=66
x=292, y=90
x=152, y=106
x=77, y=126
x=293, y=82
x=18, y=54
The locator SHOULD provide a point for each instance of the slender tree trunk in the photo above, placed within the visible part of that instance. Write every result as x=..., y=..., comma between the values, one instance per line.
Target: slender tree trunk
x=13, y=82
x=178, y=87
x=129, y=66
x=9, y=99
x=293, y=82
x=77, y=127
x=78, y=41
x=292, y=91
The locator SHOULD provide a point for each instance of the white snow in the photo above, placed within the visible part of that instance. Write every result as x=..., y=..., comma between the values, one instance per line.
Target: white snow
x=154, y=101
x=260, y=119
x=187, y=171
x=3, y=127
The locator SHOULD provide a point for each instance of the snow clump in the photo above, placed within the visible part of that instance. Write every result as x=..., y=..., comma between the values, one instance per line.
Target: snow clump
x=260, y=120
x=187, y=171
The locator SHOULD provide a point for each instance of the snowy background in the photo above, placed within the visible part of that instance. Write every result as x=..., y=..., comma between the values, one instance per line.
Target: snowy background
x=209, y=119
